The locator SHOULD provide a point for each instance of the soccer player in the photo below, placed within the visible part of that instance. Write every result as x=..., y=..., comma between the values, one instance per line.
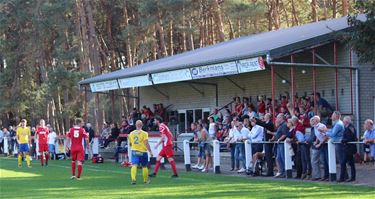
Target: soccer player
x=167, y=150
x=23, y=135
x=74, y=139
x=138, y=140
x=42, y=137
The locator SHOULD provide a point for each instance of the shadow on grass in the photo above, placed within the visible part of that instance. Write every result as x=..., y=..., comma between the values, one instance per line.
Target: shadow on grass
x=110, y=181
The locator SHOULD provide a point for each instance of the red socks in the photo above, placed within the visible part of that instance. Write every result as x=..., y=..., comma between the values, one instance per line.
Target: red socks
x=41, y=160
x=73, y=168
x=157, y=167
x=173, y=165
x=79, y=170
x=47, y=157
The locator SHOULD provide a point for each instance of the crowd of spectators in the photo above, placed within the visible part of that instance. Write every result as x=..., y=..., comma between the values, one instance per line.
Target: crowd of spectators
x=284, y=121
x=112, y=132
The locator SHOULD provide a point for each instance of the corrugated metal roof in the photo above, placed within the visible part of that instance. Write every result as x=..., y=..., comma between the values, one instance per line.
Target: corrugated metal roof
x=276, y=43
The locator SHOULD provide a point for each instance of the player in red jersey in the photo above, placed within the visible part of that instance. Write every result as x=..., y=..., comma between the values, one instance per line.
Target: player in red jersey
x=42, y=137
x=75, y=137
x=167, y=150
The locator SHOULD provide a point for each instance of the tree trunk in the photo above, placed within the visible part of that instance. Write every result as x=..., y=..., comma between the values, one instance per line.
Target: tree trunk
x=325, y=9
x=171, y=46
x=276, y=14
x=94, y=57
x=231, y=31
x=295, y=20
x=334, y=8
x=184, y=37
x=314, y=11
x=345, y=7
x=160, y=29
x=219, y=20
x=191, y=38
x=129, y=56
x=269, y=15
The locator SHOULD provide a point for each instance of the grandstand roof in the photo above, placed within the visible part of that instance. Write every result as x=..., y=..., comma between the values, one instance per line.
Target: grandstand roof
x=275, y=44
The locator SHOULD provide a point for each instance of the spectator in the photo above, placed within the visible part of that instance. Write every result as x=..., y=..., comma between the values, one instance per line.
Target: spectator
x=113, y=136
x=261, y=106
x=349, y=150
x=252, y=112
x=282, y=133
x=90, y=131
x=255, y=136
x=268, y=104
x=212, y=128
x=13, y=139
x=106, y=131
x=220, y=132
x=6, y=137
x=226, y=114
x=124, y=131
x=245, y=110
x=303, y=150
x=1, y=141
x=240, y=135
x=200, y=133
x=238, y=106
x=147, y=113
x=319, y=149
x=246, y=122
x=269, y=129
x=217, y=116
x=370, y=136
x=283, y=103
x=336, y=134
x=52, y=139
x=231, y=144
x=324, y=108
x=205, y=142
x=33, y=143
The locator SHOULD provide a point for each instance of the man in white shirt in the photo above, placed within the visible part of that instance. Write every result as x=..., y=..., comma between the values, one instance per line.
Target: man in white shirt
x=255, y=136
x=319, y=150
x=51, y=143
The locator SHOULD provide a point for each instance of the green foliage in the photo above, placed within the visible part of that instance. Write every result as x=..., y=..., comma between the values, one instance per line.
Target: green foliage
x=363, y=35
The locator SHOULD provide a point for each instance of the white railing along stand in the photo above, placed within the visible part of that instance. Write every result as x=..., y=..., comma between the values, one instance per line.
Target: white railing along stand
x=288, y=159
x=187, y=155
x=332, y=161
x=6, y=146
x=216, y=158
x=248, y=155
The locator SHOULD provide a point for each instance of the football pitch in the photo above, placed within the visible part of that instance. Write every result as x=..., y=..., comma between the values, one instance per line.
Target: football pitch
x=109, y=180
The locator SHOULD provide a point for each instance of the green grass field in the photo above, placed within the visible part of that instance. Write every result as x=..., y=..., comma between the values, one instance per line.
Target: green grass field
x=112, y=181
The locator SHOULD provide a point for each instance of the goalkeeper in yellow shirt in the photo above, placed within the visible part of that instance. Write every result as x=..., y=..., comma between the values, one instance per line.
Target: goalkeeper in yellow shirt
x=138, y=140
x=23, y=135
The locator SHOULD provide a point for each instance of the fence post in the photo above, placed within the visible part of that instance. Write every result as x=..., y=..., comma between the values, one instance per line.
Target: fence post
x=187, y=155
x=216, y=158
x=6, y=147
x=332, y=161
x=248, y=155
x=288, y=159
x=129, y=151
x=95, y=146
